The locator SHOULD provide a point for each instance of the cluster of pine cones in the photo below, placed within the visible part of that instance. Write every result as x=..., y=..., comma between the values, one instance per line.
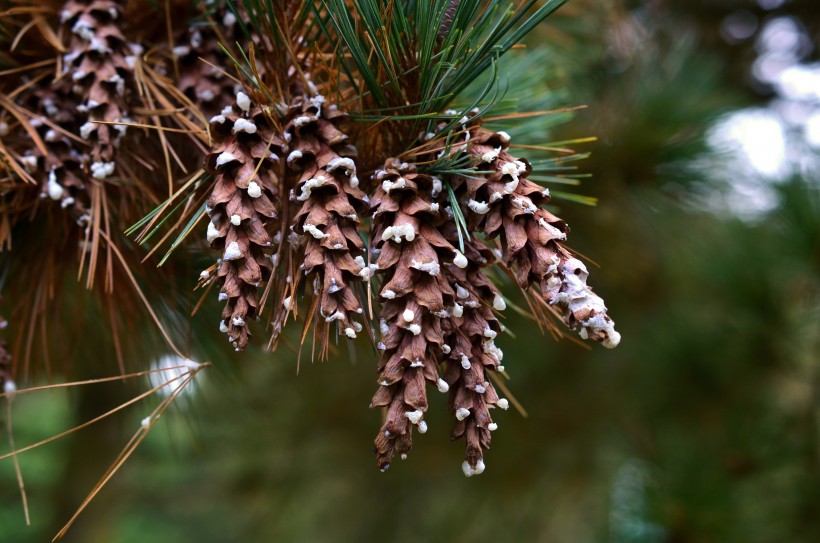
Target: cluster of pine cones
x=106, y=113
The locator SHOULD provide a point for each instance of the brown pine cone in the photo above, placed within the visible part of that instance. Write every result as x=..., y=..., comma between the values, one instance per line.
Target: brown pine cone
x=199, y=55
x=99, y=70
x=505, y=203
x=96, y=85
x=324, y=207
x=415, y=297
x=470, y=334
x=246, y=167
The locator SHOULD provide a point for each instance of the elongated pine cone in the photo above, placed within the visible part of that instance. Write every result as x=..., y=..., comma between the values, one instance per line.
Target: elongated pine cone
x=199, y=56
x=470, y=346
x=245, y=164
x=415, y=296
x=505, y=203
x=97, y=85
x=325, y=203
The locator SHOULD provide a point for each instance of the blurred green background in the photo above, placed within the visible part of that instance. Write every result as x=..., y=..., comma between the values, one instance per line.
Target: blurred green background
x=702, y=426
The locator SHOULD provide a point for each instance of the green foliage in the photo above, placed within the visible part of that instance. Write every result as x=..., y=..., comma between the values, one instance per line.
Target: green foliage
x=428, y=65
x=265, y=17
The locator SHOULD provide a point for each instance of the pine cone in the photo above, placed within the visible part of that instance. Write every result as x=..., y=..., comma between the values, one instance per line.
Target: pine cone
x=505, y=203
x=470, y=346
x=245, y=164
x=96, y=84
x=325, y=202
x=199, y=55
x=100, y=65
x=447, y=20
x=61, y=172
x=415, y=296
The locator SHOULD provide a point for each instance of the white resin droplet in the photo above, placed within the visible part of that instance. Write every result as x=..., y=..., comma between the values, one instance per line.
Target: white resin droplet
x=460, y=260
x=232, y=252
x=254, y=190
x=213, y=232
x=243, y=101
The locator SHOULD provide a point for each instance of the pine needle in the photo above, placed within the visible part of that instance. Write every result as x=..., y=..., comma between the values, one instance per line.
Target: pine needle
x=133, y=443
x=18, y=472
x=139, y=292
x=96, y=419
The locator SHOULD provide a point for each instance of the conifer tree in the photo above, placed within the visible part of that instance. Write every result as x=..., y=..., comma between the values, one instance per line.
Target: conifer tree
x=331, y=165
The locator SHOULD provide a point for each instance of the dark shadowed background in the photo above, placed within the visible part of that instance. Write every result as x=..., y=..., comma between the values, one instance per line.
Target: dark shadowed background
x=702, y=426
